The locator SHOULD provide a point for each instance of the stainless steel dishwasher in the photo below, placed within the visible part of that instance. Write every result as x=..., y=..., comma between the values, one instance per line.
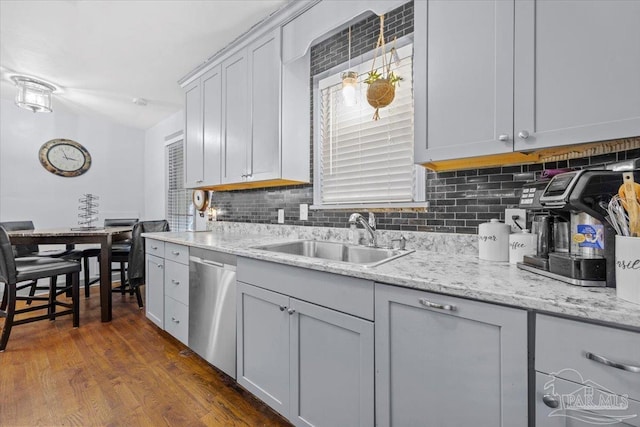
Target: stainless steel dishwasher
x=212, y=308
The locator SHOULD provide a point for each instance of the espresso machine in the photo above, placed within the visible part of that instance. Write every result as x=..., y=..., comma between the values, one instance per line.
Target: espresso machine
x=576, y=243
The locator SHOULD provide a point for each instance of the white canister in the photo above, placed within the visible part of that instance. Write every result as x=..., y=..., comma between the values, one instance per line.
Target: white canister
x=521, y=244
x=493, y=241
x=628, y=268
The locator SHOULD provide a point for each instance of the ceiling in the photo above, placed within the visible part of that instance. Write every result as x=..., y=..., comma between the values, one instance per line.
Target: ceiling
x=103, y=54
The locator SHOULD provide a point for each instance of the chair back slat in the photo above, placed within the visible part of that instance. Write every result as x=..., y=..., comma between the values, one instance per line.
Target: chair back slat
x=7, y=258
x=136, y=254
x=119, y=222
x=21, y=250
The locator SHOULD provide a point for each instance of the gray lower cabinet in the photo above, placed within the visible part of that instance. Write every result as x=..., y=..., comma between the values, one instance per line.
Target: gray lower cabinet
x=558, y=402
x=443, y=361
x=154, y=289
x=312, y=364
x=586, y=374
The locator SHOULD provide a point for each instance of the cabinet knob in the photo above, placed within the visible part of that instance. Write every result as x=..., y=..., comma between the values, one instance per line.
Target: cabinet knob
x=503, y=137
x=291, y=311
x=283, y=308
x=159, y=265
x=550, y=401
x=523, y=134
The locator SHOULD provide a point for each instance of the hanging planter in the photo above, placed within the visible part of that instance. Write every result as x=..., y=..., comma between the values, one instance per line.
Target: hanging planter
x=382, y=86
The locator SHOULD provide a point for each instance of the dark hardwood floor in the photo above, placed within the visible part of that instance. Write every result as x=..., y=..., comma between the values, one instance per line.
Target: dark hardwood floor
x=124, y=373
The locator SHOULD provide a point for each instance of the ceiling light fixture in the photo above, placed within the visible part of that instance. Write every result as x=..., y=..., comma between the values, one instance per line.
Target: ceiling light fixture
x=349, y=81
x=33, y=94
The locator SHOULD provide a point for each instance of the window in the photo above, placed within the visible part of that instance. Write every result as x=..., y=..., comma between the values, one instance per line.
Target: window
x=359, y=161
x=179, y=206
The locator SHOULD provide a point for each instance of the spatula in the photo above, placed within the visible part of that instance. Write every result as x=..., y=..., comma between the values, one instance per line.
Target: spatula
x=630, y=193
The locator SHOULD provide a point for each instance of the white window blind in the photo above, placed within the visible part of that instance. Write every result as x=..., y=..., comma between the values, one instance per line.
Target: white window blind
x=361, y=160
x=179, y=205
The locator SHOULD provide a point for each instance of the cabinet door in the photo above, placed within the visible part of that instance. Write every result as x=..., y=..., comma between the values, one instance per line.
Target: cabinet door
x=576, y=71
x=193, y=166
x=263, y=345
x=556, y=403
x=444, y=361
x=332, y=372
x=212, y=125
x=264, y=70
x=469, y=79
x=154, y=289
x=235, y=114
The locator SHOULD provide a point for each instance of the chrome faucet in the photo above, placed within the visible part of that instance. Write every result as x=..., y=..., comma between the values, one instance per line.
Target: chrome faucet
x=369, y=226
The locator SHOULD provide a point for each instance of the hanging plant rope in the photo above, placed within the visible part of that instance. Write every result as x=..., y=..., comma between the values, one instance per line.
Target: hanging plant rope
x=382, y=86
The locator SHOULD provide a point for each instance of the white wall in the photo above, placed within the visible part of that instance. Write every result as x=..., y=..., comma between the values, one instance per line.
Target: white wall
x=28, y=191
x=154, y=164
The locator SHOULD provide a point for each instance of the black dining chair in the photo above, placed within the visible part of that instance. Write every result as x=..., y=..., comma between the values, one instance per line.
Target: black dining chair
x=136, y=268
x=119, y=254
x=21, y=251
x=15, y=271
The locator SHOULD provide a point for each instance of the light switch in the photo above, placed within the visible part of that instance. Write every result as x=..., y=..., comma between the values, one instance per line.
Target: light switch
x=304, y=212
x=280, y=216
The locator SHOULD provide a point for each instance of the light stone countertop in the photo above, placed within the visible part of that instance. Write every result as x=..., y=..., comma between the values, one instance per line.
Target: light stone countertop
x=462, y=275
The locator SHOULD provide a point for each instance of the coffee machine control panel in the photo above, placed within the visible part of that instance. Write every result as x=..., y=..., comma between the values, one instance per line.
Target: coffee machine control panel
x=531, y=192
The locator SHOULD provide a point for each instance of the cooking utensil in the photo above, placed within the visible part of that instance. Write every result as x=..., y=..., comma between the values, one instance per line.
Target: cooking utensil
x=629, y=193
x=618, y=216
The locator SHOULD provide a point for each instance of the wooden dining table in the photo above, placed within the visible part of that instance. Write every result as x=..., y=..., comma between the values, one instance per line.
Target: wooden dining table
x=69, y=236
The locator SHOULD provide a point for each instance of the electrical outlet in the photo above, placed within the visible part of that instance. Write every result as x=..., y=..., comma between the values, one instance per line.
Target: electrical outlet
x=304, y=212
x=280, y=216
x=520, y=216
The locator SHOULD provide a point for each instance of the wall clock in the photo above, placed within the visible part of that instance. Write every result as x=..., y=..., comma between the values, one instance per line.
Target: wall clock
x=65, y=157
x=200, y=199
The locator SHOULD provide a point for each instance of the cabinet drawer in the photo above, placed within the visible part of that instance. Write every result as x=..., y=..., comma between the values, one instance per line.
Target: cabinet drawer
x=562, y=344
x=177, y=253
x=176, y=319
x=176, y=281
x=154, y=247
x=608, y=410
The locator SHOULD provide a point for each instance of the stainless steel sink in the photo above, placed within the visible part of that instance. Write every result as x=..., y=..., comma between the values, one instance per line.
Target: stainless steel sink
x=335, y=251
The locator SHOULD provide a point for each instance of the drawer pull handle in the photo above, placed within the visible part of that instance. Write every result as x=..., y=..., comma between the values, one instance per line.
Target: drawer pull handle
x=173, y=319
x=176, y=253
x=430, y=304
x=155, y=248
x=175, y=282
x=617, y=365
x=291, y=311
x=550, y=401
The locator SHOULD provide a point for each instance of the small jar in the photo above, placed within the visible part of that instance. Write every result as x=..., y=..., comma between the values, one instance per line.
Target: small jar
x=493, y=240
x=521, y=244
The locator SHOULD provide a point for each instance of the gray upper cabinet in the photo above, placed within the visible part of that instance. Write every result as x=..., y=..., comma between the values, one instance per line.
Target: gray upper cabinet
x=577, y=68
x=203, y=122
x=445, y=361
x=236, y=117
x=469, y=77
x=193, y=150
x=504, y=76
x=212, y=126
x=264, y=85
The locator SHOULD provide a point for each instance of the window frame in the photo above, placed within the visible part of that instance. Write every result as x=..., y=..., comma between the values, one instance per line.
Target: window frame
x=419, y=194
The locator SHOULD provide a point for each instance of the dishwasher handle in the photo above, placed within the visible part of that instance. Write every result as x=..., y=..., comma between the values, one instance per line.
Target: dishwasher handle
x=199, y=260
